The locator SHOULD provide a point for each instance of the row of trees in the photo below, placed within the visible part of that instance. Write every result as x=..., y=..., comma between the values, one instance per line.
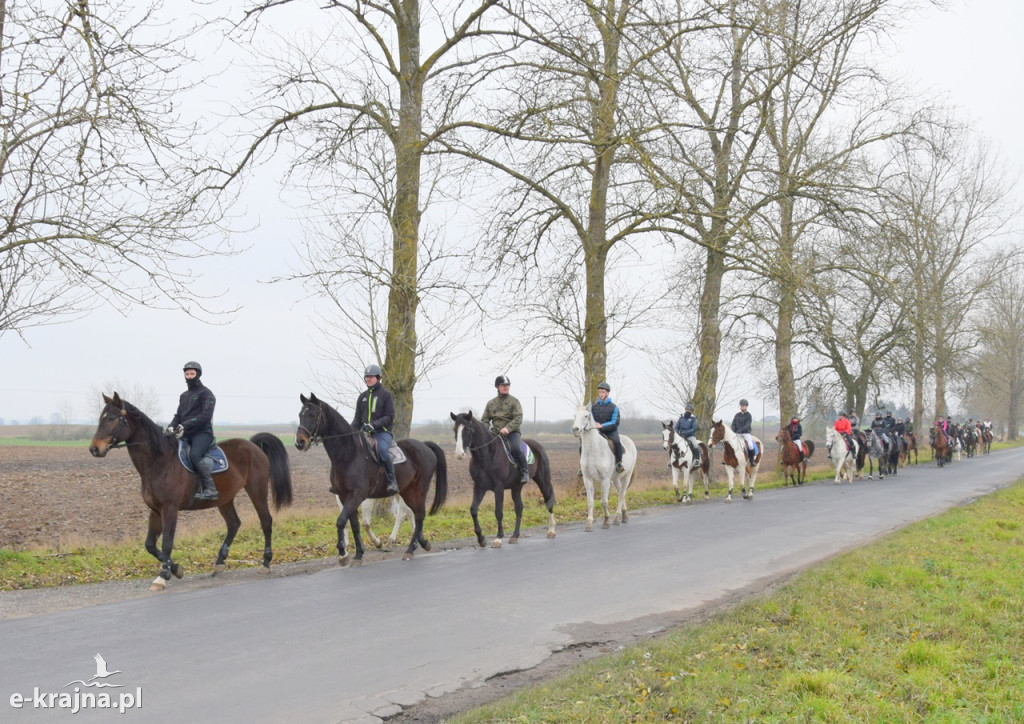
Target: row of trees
x=595, y=171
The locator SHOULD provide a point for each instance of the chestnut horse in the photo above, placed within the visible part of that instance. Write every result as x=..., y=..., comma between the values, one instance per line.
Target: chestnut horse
x=735, y=450
x=794, y=468
x=259, y=464
x=940, y=446
x=356, y=475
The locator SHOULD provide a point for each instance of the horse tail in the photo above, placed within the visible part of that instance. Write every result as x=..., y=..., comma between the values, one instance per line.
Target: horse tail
x=809, y=446
x=280, y=474
x=441, y=486
x=544, y=477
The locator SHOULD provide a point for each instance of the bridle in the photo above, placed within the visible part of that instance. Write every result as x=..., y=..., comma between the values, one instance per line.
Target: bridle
x=122, y=419
x=315, y=438
x=466, y=427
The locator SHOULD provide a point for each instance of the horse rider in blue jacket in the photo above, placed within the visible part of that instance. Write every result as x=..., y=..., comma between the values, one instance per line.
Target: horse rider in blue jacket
x=375, y=413
x=606, y=414
x=686, y=428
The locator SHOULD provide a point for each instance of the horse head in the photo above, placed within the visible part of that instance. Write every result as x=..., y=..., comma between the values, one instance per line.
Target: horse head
x=113, y=428
x=463, y=429
x=717, y=433
x=582, y=421
x=311, y=420
x=782, y=437
x=667, y=433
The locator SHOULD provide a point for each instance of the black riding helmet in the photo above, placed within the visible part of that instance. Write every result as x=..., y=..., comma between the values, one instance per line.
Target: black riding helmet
x=193, y=366
x=604, y=386
x=501, y=380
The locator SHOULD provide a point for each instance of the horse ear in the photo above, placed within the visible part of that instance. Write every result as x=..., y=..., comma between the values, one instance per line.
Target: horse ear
x=117, y=400
x=312, y=398
x=453, y=416
x=302, y=398
x=106, y=399
x=470, y=414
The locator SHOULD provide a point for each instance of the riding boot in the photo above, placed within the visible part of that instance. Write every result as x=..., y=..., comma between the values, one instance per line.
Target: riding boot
x=389, y=467
x=618, y=466
x=204, y=478
x=524, y=475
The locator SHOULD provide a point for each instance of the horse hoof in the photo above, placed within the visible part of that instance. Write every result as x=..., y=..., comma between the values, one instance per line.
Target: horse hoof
x=158, y=584
x=263, y=570
x=496, y=543
x=219, y=568
x=590, y=527
x=513, y=540
x=728, y=498
x=426, y=546
x=552, y=534
x=680, y=498
x=606, y=525
x=343, y=561
x=178, y=571
x=407, y=556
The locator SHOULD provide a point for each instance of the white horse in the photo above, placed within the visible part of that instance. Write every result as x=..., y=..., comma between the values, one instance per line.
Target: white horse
x=399, y=510
x=597, y=462
x=735, y=458
x=680, y=458
x=845, y=460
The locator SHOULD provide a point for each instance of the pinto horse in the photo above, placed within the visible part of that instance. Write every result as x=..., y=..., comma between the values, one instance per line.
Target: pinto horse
x=680, y=459
x=492, y=471
x=597, y=463
x=838, y=452
x=794, y=467
x=986, y=441
x=356, y=475
x=259, y=465
x=736, y=449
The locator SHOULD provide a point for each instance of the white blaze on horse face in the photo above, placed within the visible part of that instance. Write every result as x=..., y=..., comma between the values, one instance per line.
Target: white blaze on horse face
x=460, y=449
x=665, y=433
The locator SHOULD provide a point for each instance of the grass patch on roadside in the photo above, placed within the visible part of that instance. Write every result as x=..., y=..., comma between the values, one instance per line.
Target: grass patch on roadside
x=927, y=624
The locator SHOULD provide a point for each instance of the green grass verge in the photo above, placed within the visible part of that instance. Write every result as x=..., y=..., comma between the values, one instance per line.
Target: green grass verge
x=926, y=625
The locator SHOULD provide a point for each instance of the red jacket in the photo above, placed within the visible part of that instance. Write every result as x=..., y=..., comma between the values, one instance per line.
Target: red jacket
x=843, y=426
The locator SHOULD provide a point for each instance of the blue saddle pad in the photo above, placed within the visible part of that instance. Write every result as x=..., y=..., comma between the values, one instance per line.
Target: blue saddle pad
x=220, y=460
x=527, y=451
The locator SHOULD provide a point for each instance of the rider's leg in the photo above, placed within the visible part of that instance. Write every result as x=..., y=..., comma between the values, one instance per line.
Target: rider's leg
x=200, y=444
x=384, y=441
x=515, y=443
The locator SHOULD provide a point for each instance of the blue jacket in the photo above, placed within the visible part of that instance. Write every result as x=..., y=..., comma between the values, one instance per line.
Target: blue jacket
x=605, y=414
x=686, y=426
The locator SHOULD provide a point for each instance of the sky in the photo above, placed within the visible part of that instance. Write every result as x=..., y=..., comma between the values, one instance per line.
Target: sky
x=268, y=353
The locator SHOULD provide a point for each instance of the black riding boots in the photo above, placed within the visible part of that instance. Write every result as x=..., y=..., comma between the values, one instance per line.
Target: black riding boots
x=389, y=468
x=206, y=490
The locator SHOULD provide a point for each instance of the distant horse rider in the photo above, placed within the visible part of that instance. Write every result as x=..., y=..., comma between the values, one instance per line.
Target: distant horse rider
x=606, y=414
x=375, y=413
x=879, y=428
x=796, y=431
x=504, y=415
x=844, y=428
x=193, y=423
x=854, y=419
x=686, y=428
x=741, y=425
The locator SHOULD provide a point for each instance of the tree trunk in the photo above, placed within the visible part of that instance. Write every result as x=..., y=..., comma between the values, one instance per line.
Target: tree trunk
x=709, y=343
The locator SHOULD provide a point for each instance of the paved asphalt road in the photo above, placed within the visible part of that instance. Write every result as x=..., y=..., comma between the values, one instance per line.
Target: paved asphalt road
x=357, y=644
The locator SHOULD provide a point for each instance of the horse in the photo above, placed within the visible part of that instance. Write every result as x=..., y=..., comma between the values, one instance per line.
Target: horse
x=986, y=441
x=356, y=475
x=911, y=447
x=680, y=458
x=597, y=463
x=878, y=451
x=736, y=448
x=940, y=446
x=844, y=458
x=970, y=441
x=259, y=465
x=492, y=471
x=794, y=466
x=861, y=439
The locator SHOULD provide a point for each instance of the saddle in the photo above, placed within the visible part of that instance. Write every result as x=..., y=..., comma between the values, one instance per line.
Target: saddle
x=526, y=450
x=396, y=453
x=218, y=460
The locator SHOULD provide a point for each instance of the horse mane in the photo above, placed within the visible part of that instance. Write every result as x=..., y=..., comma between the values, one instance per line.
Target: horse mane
x=150, y=431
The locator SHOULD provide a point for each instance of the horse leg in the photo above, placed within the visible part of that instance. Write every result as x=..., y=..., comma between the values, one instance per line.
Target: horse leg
x=606, y=485
x=687, y=485
x=478, y=494
x=729, y=472
x=588, y=485
x=169, y=521
x=499, y=513
x=267, y=526
x=230, y=516
x=155, y=529
x=749, y=494
x=401, y=511
x=517, y=502
x=366, y=511
x=417, y=534
x=675, y=482
x=349, y=516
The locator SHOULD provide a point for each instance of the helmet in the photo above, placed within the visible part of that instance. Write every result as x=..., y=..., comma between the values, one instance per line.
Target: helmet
x=744, y=402
x=795, y=418
x=888, y=414
x=842, y=414
x=878, y=414
x=193, y=366
x=373, y=371
x=604, y=386
x=689, y=407
x=501, y=380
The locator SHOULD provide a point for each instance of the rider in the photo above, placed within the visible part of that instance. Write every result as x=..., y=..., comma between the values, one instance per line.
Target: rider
x=686, y=428
x=796, y=430
x=504, y=415
x=854, y=419
x=741, y=426
x=844, y=428
x=908, y=426
x=375, y=412
x=193, y=423
x=880, y=429
x=899, y=427
x=606, y=414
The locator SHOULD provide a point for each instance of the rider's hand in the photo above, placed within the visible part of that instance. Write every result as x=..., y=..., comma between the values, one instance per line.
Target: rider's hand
x=504, y=431
x=168, y=431
x=179, y=431
x=367, y=427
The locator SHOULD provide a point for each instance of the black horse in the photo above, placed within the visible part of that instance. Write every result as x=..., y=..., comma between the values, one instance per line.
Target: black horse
x=492, y=471
x=356, y=475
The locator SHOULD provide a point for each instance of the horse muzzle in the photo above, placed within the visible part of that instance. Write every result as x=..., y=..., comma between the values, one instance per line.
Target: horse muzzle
x=301, y=443
x=99, y=450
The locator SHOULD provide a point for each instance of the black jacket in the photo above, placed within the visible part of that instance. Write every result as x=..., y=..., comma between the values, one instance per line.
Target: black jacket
x=376, y=406
x=195, y=409
x=741, y=423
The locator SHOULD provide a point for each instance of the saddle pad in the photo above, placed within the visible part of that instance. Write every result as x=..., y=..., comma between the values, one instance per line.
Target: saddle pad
x=397, y=454
x=215, y=454
x=523, y=446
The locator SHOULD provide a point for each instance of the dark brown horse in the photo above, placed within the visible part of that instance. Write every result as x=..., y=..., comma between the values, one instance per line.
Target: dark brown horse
x=356, y=475
x=793, y=466
x=492, y=471
x=258, y=465
x=986, y=440
x=908, y=447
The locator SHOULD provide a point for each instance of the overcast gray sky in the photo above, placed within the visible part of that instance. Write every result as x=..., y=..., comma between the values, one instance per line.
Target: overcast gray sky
x=260, y=362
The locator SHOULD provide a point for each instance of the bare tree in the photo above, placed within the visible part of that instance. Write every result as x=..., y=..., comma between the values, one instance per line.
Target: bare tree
x=95, y=169
x=365, y=102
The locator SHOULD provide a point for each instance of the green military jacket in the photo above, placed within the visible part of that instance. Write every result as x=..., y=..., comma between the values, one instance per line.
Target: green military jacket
x=503, y=411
